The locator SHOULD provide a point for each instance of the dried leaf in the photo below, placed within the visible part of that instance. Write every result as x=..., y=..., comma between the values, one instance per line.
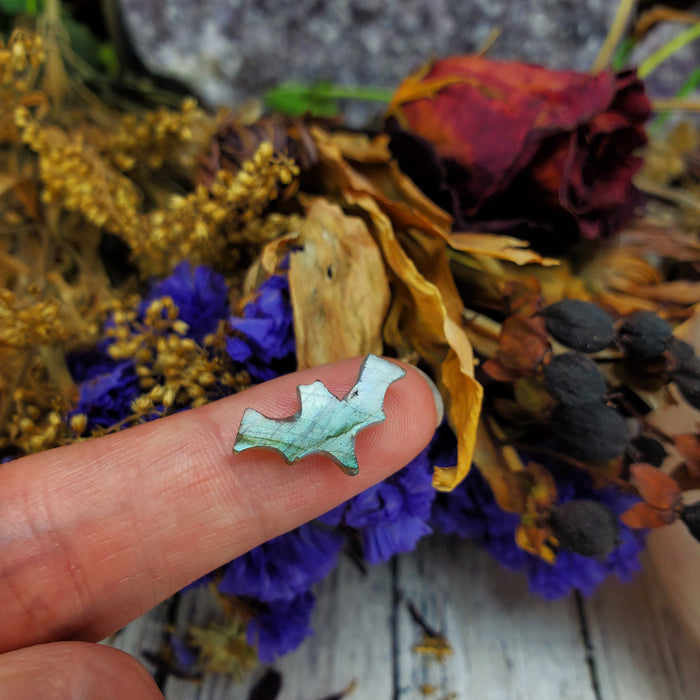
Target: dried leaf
x=396, y=193
x=682, y=292
x=641, y=515
x=500, y=247
x=465, y=396
x=523, y=347
x=338, y=287
x=439, y=340
x=360, y=148
x=657, y=489
x=509, y=487
x=688, y=444
x=429, y=313
x=543, y=489
x=534, y=540
x=686, y=478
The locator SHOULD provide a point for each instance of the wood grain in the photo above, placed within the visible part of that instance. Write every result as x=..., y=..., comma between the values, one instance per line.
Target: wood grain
x=508, y=644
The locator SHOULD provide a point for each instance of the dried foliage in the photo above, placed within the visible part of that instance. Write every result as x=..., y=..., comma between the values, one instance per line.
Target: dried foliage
x=452, y=264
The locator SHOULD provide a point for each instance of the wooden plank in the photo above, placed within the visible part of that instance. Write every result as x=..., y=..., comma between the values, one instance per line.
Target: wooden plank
x=507, y=642
x=353, y=639
x=641, y=649
x=352, y=642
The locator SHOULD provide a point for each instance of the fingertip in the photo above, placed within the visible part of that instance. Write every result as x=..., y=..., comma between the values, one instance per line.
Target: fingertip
x=74, y=670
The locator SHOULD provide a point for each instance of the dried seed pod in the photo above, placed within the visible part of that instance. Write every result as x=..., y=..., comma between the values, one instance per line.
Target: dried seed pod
x=689, y=386
x=690, y=515
x=645, y=449
x=643, y=335
x=579, y=325
x=586, y=527
x=572, y=378
x=593, y=432
x=682, y=357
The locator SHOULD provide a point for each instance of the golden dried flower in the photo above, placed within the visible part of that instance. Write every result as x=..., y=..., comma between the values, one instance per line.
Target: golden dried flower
x=28, y=321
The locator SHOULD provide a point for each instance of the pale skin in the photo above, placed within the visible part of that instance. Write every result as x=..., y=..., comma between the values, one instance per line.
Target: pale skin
x=94, y=534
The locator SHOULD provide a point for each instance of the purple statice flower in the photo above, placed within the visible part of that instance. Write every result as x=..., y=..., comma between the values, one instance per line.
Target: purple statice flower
x=264, y=343
x=284, y=567
x=200, y=294
x=391, y=516
x=471, y=511
x=107, y=392
x=281, y=626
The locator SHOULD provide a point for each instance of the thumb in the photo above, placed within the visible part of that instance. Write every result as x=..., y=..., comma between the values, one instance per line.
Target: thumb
x=74, y=670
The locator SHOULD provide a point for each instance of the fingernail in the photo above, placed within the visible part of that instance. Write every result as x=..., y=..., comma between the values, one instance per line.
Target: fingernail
x=439, y=404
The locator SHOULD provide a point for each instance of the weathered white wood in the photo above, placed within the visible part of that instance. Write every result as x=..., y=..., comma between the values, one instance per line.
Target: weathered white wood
x=507, y=643
x=352, y=642
x=641, y=650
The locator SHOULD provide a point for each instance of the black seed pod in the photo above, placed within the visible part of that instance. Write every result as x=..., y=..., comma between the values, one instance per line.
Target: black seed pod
x=690, y=515
x=689, y=386
x=585, y=527
x=645, y=449
x=643, y=335
x=572, y=379
x=579, y=325
x=593, y=432
x=683, y=357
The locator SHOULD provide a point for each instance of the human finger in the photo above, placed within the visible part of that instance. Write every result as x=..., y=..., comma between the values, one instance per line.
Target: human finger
x=94, y=534
x=70, y=670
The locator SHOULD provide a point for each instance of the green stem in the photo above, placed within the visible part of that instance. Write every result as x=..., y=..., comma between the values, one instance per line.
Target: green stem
x=350, y=92
x=617, y=31
x=667, y=50
x=688, y=86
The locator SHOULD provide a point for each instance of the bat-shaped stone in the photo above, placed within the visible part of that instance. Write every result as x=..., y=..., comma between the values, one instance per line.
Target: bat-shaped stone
x=324, y=423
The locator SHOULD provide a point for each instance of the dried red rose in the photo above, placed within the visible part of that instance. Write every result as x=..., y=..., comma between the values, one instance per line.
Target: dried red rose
x=520, y=148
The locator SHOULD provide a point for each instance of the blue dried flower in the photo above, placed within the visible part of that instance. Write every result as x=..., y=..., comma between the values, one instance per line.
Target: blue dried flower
x=106, y=391
x=471, y=511
x=280, y=627
x=265, y=332
x=200, y=294
x=284, y=567
x=390, y=516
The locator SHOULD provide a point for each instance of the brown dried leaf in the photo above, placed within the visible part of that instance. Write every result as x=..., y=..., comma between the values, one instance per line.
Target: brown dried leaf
x=360, y=148
x=338, y=287
x=400, y=197
x=275, y=251
x=429, y=314
x=523, y=346
x=641, y=515
x=509, y=487
x=688, y=444
x=682, y=292
x=439, y=339
x=665, y=241
x=396, y=193
x=533, y=539
x=508, y=248
x=657, y=489
x=687, y=479
x=543, y=491
x=464, y=406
